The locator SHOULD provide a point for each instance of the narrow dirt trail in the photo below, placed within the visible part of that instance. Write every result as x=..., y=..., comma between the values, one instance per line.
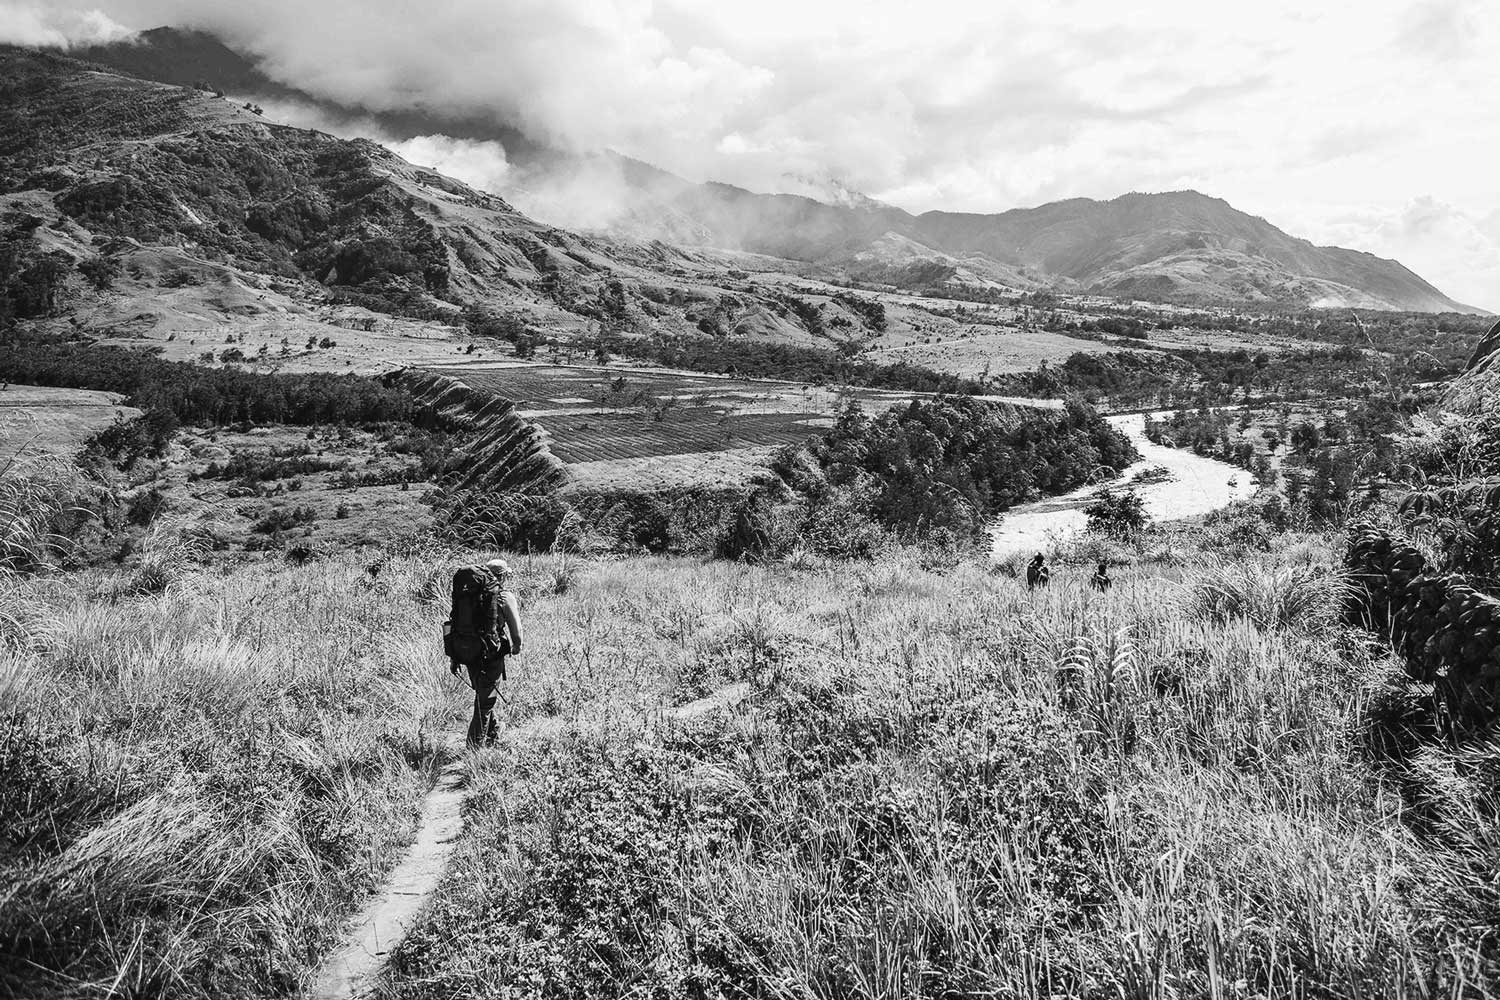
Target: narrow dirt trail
x=354, y=967
x=350, y=971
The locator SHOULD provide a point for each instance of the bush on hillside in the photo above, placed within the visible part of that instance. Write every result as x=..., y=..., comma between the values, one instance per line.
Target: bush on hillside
x=1272, y=597
x=1117, y=512
x=125, y=442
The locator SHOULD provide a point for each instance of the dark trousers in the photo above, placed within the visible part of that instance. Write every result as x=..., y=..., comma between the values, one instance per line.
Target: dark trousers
x=485, y=680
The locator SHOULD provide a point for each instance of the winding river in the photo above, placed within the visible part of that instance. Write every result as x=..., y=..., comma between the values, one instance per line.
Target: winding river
x=1197, y=485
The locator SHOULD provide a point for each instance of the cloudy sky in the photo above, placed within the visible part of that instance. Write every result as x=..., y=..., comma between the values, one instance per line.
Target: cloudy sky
x=1374, y=125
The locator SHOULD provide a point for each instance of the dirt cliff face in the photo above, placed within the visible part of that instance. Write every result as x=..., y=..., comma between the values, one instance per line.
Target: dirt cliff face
x=1485, y=351
x=502, y=449
x=1477, y=390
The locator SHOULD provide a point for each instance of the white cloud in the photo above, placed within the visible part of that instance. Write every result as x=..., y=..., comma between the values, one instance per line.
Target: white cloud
x=955, y=104
x=1458, y=252
x=480, y=164
x=29, y=24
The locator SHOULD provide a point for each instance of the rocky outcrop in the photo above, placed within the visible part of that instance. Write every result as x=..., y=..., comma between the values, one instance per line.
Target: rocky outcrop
x=1477, y=391
x=501, y=450
x=1486, y=351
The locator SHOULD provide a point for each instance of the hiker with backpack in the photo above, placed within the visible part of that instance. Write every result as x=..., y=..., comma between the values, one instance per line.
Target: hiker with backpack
x=483, y=627
x=1037, y=573
x=1100, y=581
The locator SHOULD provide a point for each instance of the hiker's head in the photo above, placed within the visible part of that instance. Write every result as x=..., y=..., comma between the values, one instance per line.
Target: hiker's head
x=1103, y=568
x=500, y=569
x=1038, y=558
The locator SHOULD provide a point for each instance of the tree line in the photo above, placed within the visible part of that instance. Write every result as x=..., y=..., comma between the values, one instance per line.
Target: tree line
x=193, y=394
x=952, y=464
x=816, y=365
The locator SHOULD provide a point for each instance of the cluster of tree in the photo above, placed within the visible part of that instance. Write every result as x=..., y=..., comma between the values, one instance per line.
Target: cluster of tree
x=1335, y=462
x=279, y=519
x=31, y=283
x=250, y=468
x=951, y=464
x=1204, y=432
x=1114, y=326
x=125, y=442
x=196, y=395
x=482, y=321
x=820, y=366
x=1198, y=378
x=870, y=311
x=1117, y=512
x=809, y=315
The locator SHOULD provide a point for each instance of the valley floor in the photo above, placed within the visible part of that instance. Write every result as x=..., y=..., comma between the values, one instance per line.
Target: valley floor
x=938, y=784
x=1188, y=485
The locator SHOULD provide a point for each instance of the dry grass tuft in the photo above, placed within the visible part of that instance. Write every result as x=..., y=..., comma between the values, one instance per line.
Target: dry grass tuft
x=1271, y=596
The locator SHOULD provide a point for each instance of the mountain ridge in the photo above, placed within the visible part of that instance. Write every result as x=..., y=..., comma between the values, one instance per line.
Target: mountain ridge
x=1181, y=246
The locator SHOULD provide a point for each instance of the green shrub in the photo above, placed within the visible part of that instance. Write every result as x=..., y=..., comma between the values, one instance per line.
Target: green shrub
x=1117, y=512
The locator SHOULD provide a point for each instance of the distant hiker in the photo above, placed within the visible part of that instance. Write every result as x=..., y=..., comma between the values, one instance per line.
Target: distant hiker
x=484, y=625
x=1100, y=581
x=1037, y=573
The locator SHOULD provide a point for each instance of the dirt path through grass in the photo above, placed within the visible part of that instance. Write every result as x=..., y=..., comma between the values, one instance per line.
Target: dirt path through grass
x=353, y=968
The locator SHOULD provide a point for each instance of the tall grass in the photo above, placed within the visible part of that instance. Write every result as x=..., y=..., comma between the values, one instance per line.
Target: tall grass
x=199, y=783
x=944, y=785
x=36, y=499
x=1264, y=592
x=948, y=786
x=203, y=771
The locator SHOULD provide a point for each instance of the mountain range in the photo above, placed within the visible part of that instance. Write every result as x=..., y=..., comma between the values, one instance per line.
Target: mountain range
x=1174, y=246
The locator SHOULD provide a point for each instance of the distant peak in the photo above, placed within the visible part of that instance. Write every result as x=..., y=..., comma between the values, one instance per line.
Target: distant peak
x=829, y=190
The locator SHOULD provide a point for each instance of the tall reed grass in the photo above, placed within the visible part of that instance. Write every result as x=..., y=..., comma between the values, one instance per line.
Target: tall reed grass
x=198, y=783
x=949, y=786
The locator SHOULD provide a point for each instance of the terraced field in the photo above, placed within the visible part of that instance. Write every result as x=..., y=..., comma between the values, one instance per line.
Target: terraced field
x=544, y=388
x=649, y=428
x=579, y=438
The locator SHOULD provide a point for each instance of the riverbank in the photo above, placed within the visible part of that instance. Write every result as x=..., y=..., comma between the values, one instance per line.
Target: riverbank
x=1196, y=486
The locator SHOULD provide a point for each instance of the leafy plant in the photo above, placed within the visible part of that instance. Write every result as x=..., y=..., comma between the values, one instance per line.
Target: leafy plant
x=1117, y=512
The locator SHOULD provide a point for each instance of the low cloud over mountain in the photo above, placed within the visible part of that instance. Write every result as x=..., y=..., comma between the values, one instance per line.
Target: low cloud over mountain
x=1309, y=117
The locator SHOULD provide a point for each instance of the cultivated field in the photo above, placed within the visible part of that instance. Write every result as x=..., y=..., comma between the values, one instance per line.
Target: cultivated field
x=42, y=422
x=975, y=351
x=614, y=427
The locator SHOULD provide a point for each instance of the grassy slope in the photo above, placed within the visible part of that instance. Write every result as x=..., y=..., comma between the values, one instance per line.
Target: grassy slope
x=199, y=785
x=947, y=786
x=943, y=783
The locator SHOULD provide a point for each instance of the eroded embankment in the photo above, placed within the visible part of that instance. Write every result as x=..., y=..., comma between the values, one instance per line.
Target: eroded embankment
x=501, y=450
x=1477, y=391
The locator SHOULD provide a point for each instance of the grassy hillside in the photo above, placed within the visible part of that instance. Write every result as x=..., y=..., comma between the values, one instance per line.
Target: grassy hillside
x=946, y=786
x=941, y=784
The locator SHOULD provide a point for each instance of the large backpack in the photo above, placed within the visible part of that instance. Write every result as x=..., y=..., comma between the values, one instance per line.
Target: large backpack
x=476, y=630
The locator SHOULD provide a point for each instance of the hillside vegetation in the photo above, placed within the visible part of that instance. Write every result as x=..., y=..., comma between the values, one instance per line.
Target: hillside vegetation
x=941, y=783
x=1256, y=759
